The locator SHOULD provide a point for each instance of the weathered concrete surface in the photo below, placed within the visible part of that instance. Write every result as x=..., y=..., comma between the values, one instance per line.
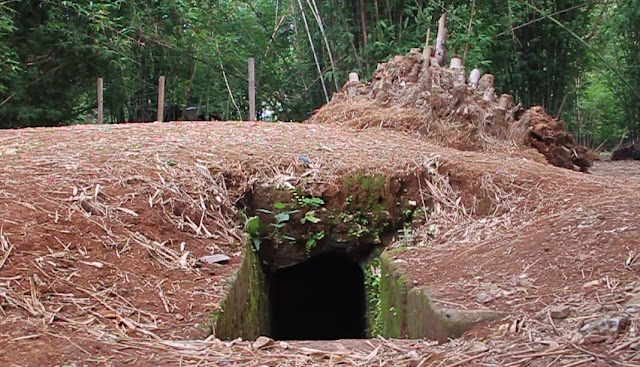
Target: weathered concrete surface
x=409, y=312
x=243, y=312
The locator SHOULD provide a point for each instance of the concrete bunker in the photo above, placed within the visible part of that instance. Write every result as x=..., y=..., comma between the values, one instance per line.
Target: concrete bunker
x=318, y=265
x=322, y=298
x=306, y=273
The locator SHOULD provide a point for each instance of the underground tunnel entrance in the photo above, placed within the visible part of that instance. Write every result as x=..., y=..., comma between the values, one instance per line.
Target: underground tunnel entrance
x=323, y=298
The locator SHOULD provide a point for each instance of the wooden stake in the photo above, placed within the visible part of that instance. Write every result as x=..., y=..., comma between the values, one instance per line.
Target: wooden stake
x=426, y=53
x=489, y=95
x=456, y=63
x=505, y=101
x=352, y=86
x=160, y=116
x=441, y=40
x=100, y=100
x=252, y=89
x=474, y=78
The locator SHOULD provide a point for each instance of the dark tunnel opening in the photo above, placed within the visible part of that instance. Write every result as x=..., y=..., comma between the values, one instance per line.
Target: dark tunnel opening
x=323, y=298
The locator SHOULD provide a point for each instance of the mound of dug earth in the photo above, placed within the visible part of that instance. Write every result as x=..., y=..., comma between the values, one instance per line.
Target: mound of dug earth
x=549, y=137
x=626, y=152
x=450, y=109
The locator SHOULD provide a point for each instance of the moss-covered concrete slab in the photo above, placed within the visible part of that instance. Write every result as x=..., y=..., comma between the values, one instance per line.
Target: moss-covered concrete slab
x=409, y=312
x=243, y=312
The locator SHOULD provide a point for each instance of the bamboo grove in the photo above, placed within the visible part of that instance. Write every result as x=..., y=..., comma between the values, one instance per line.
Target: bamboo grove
x=576, y=58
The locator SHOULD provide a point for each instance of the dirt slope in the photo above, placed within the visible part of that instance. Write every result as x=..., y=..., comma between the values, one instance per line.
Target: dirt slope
x=93, y=270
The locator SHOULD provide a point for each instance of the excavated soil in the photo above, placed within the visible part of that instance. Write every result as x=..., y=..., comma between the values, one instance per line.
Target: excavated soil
x=626, y=152
x=446, y=108
x=102, y=228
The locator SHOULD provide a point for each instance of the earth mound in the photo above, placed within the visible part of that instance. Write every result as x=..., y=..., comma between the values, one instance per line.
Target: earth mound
x=626, y=152
x=447, y=108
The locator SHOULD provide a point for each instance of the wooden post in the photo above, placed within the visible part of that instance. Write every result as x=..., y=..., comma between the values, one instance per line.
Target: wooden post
x=489, y=95
x=486, y=81
x=100, y=100
x=474, y=78
x=160, y=116
x=426, y=53
x=252, y=89
x=441, y=40
x=456, y=63
x=426, y=57
x=352, y=86
x=505, y=101
x=460, y=81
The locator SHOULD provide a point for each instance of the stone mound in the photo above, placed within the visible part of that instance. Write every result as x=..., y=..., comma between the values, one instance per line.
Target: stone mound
x=448, y=108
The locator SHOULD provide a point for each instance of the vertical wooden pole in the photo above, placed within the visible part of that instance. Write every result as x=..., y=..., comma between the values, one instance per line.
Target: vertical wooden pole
x=160, y=116
x=252, y=89
x=505, y=101
x=441, y=41
x=426, y=52
x=100, y=100
x=474, y=78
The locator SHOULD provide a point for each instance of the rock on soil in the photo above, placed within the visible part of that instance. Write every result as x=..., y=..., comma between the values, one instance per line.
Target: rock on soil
x=262, y=342
x=438, y=103
x=611, y=326
x=560, y=312
x=484, y=297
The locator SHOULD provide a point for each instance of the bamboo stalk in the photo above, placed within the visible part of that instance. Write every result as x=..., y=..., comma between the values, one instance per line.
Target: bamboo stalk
x=466, y=45
x=313, y=51
x=316, y=14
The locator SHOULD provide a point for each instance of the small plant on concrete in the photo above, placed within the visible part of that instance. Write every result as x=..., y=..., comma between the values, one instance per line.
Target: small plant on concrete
x=252, y=227
x=307, y=202
x=280, y=218
x=312, y=202
x=310, y=217
x=372, y=278
x=313, y=241
x=406, y=236
x=357, y=223
x=349, y=199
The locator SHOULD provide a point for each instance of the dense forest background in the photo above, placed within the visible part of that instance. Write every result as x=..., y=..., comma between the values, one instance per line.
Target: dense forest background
x=576, y=58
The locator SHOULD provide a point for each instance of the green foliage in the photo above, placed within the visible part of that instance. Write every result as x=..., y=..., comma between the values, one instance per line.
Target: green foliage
x=372, y=278
x=312, y=202
x=253, y=228
x=357, y=223
x=313, y=241
x=549, y=53
x=307, y=201
x=310, y=217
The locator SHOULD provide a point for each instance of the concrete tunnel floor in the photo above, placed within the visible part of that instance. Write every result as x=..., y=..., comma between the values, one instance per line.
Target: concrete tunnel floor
x=323, y=298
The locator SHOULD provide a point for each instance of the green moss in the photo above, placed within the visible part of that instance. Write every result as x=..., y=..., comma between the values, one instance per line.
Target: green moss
x=408, y=312
x=393, y=298
x=243, y=312
x=365, y=192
